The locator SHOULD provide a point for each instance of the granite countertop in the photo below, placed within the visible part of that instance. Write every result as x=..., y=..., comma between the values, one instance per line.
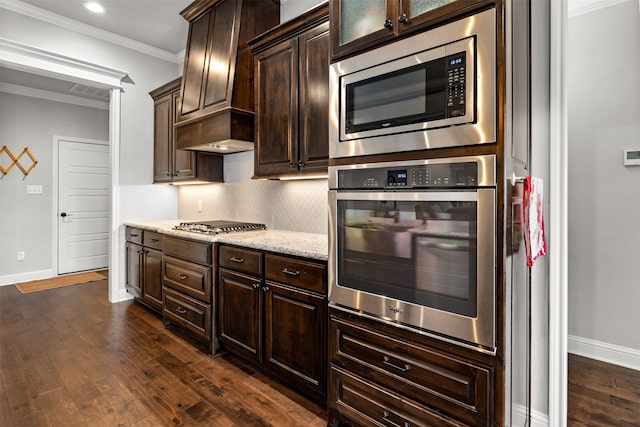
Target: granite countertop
x=308, y=245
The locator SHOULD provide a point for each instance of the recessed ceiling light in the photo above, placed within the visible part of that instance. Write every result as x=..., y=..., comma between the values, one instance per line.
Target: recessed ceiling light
x=94, y=7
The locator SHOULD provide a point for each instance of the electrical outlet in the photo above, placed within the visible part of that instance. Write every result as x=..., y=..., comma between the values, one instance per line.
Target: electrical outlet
x=20, y=255
x=199, y=205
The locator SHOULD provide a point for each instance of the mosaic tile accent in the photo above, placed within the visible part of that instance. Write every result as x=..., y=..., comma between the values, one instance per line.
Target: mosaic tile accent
x=281, y=205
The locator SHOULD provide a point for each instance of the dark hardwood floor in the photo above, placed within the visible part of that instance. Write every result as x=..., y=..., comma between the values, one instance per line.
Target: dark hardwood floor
x=70, y=358
x=600, y=394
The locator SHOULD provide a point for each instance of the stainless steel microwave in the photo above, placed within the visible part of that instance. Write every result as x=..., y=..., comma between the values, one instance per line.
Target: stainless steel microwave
x=432, y=90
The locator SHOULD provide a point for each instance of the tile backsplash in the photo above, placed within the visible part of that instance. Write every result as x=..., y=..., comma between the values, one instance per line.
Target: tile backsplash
x=281, y=205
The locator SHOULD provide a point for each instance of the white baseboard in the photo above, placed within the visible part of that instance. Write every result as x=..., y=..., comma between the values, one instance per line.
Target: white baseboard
x=538, y=419
x=12, y=279
x=121, y=295
x=609, y=353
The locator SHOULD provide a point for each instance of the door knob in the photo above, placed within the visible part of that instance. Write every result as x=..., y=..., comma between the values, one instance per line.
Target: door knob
x=64, y=214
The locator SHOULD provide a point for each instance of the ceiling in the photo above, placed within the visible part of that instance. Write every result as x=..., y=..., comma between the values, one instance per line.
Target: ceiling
x=153, y=25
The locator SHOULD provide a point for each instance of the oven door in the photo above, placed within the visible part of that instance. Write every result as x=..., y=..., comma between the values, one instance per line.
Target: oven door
x=424, y=259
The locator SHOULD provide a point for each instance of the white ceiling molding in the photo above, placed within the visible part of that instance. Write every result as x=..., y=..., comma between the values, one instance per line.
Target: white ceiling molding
x=73, y=25
x=579, y=7
x=19, y=56
x=53, y=96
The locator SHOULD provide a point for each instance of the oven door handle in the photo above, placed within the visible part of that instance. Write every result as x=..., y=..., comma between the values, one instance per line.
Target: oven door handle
x=445, y=246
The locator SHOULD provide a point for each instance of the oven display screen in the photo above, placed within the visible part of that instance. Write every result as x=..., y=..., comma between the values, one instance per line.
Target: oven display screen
x=397, y=178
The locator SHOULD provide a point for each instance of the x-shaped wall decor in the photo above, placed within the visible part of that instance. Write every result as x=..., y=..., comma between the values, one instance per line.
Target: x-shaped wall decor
x=15, y=161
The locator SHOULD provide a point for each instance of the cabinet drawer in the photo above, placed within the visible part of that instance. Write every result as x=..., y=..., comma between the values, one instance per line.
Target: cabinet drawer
x=243, y=260
x=187, y=277
x=152, y=239
x=187, y=249
x=366, y=403
x=295, y=272
x=187, y=312
x=133, y=235
x=458, y=388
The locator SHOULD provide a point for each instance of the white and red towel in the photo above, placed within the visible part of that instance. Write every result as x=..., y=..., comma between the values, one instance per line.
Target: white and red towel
x=533, y=207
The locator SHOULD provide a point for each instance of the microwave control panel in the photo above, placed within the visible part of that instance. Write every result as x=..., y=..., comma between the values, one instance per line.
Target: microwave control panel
x=456, y=79
x=418, y=176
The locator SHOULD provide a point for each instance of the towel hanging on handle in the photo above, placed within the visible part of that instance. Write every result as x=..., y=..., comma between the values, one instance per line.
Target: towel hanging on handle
x=533, y=214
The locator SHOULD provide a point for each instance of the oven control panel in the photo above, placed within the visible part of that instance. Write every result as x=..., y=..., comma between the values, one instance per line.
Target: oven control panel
x=409, y=177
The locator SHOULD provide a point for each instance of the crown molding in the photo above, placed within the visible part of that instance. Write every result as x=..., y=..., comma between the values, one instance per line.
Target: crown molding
x=53, y=96
x=79, y=27
x=23, y=57
x=580, y=7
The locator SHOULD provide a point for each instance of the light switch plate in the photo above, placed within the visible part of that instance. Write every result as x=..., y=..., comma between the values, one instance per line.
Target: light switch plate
x=34, y=189
x=632, y=157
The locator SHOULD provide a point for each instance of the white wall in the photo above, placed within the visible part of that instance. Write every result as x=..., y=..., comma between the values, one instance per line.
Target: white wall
x=289, y=9
x=139, y=199
x=604, y=198
x=25, y=220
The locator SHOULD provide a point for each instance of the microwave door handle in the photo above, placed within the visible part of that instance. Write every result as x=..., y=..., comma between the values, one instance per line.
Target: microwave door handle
x=444, y=246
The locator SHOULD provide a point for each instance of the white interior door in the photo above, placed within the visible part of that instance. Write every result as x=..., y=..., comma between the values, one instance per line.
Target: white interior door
x=83, y=205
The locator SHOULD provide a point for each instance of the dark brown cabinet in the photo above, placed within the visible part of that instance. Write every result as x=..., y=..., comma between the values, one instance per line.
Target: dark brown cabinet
x=143, y=253
x=169, y=163
x=380, y=375
x=272, y=311
x=292, y=96
x=187, y=286
x=355, y=28
x=217, y=96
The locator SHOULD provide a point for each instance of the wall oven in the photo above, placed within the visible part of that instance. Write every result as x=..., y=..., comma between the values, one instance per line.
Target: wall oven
x=435, y=89
x=414, y=243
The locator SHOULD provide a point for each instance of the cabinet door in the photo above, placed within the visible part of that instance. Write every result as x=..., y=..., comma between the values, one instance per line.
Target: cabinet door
x=133, y=279
x=313, y=105
x=240, y=313
x=184, y=161
x=295, y=331
x=356, y=25
x=417, y=13
x=276, y=148
x=162, y=139
x=152, y=290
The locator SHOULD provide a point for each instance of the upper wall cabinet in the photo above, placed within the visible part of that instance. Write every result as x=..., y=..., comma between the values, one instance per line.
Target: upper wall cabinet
x=360, y=25
x=169, y=163
x=292, y=96
x=216, y=109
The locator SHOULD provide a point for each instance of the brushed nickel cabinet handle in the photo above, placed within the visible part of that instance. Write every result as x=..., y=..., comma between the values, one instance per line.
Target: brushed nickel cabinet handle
x=386, y=361
x=155, y=240
x=290, y=273
x=181, y=310
x=238, y=260
x=182, y=276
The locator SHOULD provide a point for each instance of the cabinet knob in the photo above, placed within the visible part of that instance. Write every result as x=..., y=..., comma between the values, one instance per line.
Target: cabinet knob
x=266, y=289
x=292, y=164
x=301, y=163
x=388, y=24
x=256, y=285
x=403, y=19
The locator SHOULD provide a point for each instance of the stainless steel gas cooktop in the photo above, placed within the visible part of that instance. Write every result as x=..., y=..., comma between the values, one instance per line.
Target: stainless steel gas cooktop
x=219, y=226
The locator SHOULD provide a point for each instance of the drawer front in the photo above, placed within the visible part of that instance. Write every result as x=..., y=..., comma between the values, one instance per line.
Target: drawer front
x=134, y=235
x=239, y=259
x=456, y=387
x=304, y=274
x=187, y=249
x=151, y=239
x=364, y=403
x=187, y=277
x=187, y=312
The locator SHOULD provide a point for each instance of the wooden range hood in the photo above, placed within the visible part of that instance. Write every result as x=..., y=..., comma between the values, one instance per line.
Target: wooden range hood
x=216, y=107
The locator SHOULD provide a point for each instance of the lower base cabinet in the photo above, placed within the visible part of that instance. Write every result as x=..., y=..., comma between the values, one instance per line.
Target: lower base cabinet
x=272, y=312
x=382, y=377
x=143, y=253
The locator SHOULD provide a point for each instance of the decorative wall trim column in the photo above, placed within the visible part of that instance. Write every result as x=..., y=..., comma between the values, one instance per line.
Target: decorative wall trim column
x=558, y=225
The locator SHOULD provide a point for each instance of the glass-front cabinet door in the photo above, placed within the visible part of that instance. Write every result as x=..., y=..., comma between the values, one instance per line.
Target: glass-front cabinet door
x=357, y=25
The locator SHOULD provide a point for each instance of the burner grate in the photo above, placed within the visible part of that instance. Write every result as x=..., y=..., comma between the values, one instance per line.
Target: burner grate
x=219, y=226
